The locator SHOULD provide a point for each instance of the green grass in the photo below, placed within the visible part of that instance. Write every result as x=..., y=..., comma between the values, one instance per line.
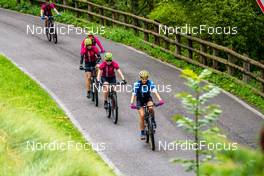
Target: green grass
x=127, y=37
x=28, y=114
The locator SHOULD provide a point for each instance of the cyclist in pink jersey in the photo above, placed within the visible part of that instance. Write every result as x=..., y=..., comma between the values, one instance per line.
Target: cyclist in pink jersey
x=107, y=74
x=46, y=12
x=95, y=42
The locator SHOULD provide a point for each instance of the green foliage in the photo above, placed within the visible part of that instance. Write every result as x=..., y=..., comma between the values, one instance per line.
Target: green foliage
x=169, y=13
x=28, y=113
x=238, y=162
x=245, y=15
x=203, y=115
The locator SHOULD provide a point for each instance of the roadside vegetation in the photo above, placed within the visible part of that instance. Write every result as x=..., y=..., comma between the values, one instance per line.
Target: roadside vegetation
x=30, y=119
x=215, y=155
x=127, y=37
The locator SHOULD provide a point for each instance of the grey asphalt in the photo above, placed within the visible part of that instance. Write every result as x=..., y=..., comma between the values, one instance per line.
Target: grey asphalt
x=56, y=66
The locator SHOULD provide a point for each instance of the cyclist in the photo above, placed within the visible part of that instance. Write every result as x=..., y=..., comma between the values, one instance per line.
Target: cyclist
x=142, y=92
x=107, y=74
x=95, y=42
x=45, y=11
x=91, y=59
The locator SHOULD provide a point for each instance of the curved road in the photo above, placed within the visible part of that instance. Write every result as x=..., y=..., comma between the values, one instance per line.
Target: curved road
x=56, y=66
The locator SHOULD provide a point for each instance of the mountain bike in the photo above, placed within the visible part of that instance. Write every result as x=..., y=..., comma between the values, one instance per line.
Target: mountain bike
x=149, y=126
x=51, y=31
x=112, y=105
x=94, y=84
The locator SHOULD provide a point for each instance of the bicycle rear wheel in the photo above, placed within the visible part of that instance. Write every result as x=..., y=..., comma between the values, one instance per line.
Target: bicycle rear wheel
x=108, y=110
x=48, y=35
x=151, y=134
x=114, y=108
x=48, y=31
x=55, y=37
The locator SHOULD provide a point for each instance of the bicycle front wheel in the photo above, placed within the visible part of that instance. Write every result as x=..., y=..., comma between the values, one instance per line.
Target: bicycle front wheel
x=114, y=108
x=151, y=134
x=55, y=37
x=95, y=96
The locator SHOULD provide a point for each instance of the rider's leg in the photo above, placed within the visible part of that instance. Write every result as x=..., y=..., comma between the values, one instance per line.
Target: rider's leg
x=141, y=123
x=105, y=90
x=88, y=83
x=46, y=26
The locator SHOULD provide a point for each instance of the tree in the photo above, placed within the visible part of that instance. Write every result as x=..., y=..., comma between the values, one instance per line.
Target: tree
x=200, y=123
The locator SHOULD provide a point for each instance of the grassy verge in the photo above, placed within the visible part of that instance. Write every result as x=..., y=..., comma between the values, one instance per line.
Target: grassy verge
x=29, y=119
x=127, y=37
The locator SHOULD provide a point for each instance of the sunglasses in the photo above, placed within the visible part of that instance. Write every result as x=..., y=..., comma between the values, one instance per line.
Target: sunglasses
x=144, y=78
x=108, y=60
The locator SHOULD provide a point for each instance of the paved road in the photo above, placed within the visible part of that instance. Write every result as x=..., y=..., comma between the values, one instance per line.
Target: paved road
x=56, y=66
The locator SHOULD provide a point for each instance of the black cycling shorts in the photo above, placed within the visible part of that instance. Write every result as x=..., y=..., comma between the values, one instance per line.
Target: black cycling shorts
x=89, y=66
x=111, y=80
x=143, y=101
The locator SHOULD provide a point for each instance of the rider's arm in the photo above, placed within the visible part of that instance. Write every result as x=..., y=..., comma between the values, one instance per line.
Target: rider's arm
x=56, y=11
x=158, y=96
x=99, y=74
x=135, y=88
x=81, y=61
x=99, y=44
x=132, y=99
x=121, y=74
x=41, y=12
x=82, y=47
x=153, y=89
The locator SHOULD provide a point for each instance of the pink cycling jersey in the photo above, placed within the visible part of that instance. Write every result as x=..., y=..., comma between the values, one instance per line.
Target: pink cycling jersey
x=90, y=54
x=46, y=7
x=109, y=70
x=96, y=40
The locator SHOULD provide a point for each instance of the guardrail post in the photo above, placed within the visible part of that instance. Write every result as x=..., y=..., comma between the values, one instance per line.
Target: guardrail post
x=167, y=44
x=114, y=17
x=101, y=12
x=230, y=70
x=203, y=59
x=136, y=24
x=157, y=40
x=246, y=67
x=215, y=63
x=76, y=6
x=126, y=21
x=64, y=2
x=146, y=35
x=178, y=41
x=190, y=45
x=90, y=9
x=262, y=76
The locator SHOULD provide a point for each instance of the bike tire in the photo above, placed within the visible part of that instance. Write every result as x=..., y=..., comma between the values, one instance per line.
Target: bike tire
x=48, y=36
x=55, y=37
x=114, y=108
x=95, y=96
x=48, y=33
x=147, y=136
x=108, y=110
x=151, y=135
